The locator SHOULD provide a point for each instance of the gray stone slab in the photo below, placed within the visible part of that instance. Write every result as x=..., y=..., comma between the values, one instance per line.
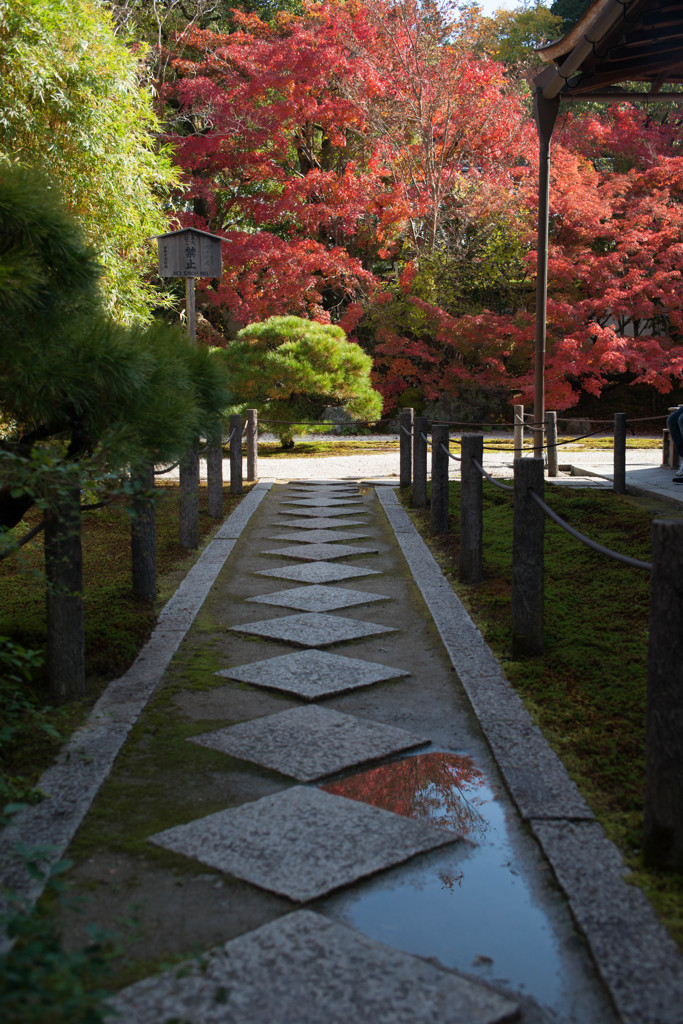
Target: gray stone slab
x=313, y=629
x=235, y=523
x=322, y=536
x=317, y=598
x=318, y=572
x=309, y=743
x=320, y=501
x=305, y=969
x=320, y=552
x=328, y=511
x=636, y=956
x=312, y=674
x=302, y=843
x=321, y=523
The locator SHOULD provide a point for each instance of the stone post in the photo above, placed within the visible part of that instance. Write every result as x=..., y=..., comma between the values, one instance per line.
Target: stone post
x=236, y=455
x=518, y=431
x=527, y=560
x=64, y=573
x=189, y=499
x=438, y=522
x=214, y=476
x=619, y=453
x=405, y=443
x=143, y=544
x=252, y=444
x=551, y=440
x=471, y=509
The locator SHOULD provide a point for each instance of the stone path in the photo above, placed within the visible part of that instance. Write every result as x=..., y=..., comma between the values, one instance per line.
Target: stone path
x=365, y=857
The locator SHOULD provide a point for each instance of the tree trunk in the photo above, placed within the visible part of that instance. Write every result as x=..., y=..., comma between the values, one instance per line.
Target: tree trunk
x=64, y=572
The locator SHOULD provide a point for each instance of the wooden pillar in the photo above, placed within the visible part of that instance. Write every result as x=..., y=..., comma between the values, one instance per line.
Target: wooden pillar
x=551, y=438
x=143, y=546
x=405, y=444
x=518, y=431
x=471, y=509
x=252, y=444
x=527, y=560
x=438, y=521
x=619, y=486
x=663, y=817
x=64, y=573
x=420, y=428
x=214, y=476
x=189, y=499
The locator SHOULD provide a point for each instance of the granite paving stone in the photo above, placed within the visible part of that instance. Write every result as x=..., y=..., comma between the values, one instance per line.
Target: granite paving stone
x=318, y=572
x=303, y=969
x=319, y=510
x=321, y=523
x=322, y=536
x=313, y=629
x=302, y=843
x=318, y=598
x=320, y=552
x=310, y=742
x=312, y=674
x=320, y=501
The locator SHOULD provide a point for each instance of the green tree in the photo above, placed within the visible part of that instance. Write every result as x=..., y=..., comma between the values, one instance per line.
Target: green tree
x=570, y=11
x=79, y=392
x=71, y=105
x=290, y=369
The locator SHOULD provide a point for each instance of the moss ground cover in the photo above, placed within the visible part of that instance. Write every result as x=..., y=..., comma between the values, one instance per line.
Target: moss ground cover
x=587, y=691
x=116, y=624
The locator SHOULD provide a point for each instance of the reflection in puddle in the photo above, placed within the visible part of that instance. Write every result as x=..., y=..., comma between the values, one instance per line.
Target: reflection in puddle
x=441, y=789
x=472, y=905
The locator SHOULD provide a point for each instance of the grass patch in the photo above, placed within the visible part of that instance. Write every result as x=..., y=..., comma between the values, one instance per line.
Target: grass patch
x=116, y=624
x=588, y=690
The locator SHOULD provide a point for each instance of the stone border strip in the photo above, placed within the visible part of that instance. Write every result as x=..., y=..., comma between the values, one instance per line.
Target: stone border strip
x=636, y=957
x=72, y=782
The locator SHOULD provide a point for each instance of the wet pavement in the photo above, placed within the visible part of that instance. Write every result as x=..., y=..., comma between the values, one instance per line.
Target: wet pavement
x=360, y=822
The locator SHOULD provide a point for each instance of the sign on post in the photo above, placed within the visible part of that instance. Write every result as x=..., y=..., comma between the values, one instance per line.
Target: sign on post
x=189, y=253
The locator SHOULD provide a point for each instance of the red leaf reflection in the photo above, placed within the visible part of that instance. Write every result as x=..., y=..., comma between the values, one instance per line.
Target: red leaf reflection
x=441, y=789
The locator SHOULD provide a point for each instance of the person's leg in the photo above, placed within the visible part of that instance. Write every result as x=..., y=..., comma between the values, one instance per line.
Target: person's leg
x=675, y=424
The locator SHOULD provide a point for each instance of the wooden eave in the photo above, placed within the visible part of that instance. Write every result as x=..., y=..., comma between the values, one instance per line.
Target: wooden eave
x=616, y=41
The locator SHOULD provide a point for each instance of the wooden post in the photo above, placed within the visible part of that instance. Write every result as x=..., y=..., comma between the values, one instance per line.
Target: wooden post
x=619, y=453
x=64, y=573
x=551, y=437
x=143, y=546
x=518, y=431
x=214, y=476
x=189, y=467
x=471, y=509
x=405, y=442
x=438, y=522
x=527, y=560
x=420, y=428
x=663, y=817
x=252, y=444
x=236, y=455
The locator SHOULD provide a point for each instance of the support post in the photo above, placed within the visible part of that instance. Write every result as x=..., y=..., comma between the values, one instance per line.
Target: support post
x=518, y=431
x=214, y=475
x=252, y=444
x=420, y=428
x=551, y=438
x=189, y=467
x=527, y=560
x=471, y=509
x=143, y=544
x=236, y=455
x=405, y=445
x=619, y=453
x=663, y=816
x=438, y=521
x=64, y=572
x=545, y=114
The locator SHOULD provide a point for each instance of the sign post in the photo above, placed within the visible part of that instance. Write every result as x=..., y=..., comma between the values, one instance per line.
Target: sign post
x=192, y=253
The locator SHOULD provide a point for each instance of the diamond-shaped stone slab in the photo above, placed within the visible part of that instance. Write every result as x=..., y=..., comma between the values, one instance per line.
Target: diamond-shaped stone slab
x=321, y=523
x=312, y=674
x=320, y=552
x=313, y=629
x=309, y=743
x=302, y=842
x=317, y=598
x=322, y=502
x=321, y=510
x=304, y=967
x=318, y=572
x=322, y=536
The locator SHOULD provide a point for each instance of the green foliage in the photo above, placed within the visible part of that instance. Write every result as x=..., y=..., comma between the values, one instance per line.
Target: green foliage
x=41, y=982
x=290, y=369
x=570, y=11
x=517, y=34
x=71, y=104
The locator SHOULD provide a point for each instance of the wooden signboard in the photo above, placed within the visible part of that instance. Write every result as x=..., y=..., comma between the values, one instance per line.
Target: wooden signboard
x=189, y=253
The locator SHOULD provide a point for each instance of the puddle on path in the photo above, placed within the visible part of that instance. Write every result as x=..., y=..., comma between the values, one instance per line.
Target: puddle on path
x=475, y=906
